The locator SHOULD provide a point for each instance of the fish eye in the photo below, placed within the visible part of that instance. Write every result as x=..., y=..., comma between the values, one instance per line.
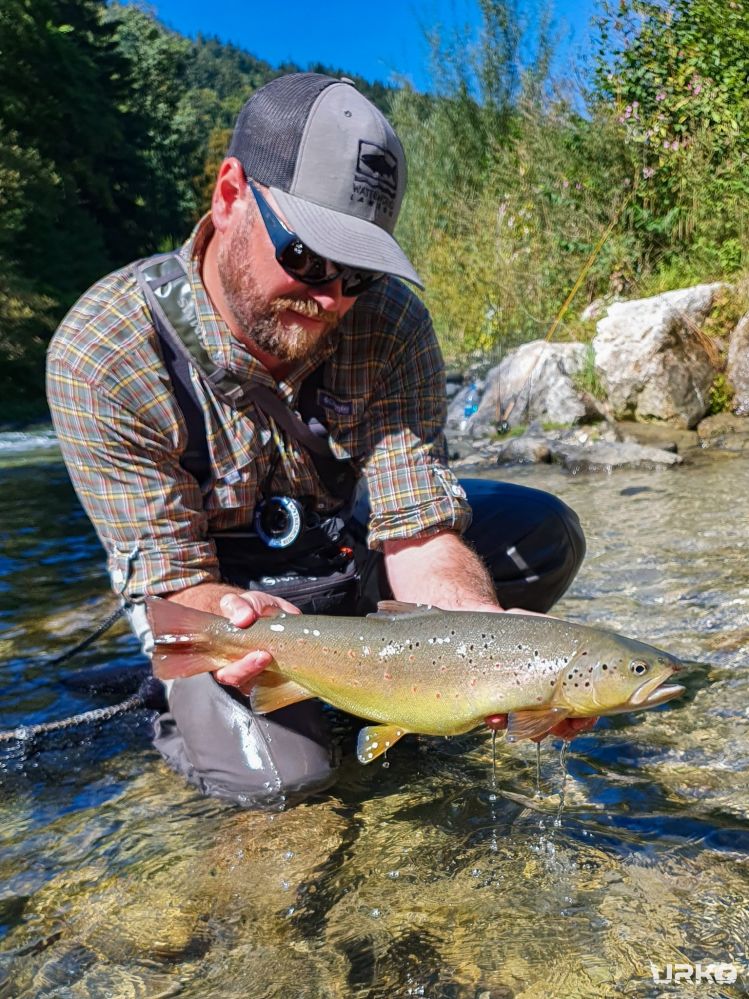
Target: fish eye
x=638, y=666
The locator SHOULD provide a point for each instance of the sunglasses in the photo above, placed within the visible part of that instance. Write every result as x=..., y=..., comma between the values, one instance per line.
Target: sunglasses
x=304, y=264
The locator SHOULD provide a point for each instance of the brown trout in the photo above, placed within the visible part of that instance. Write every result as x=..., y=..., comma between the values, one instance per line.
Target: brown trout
x=419, y=669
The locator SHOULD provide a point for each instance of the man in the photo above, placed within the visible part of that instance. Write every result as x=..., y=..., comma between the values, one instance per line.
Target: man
x=292, y=280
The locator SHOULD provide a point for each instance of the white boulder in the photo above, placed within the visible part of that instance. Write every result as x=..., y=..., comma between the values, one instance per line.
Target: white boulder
x=652, y=359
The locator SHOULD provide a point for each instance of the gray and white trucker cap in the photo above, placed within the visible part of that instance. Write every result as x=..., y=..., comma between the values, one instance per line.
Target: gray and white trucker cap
x=334, y=165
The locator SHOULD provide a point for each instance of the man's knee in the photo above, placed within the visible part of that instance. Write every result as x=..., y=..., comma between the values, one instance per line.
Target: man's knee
x=216, y=741
x=531, y=541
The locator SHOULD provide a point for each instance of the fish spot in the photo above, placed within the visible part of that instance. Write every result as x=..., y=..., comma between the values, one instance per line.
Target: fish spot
x=316, y=632
x=604, y=666
x=414, y=689
x=277, y=627
x=389, y=676
x=587, y=683
x=306, y=631
x=374, y=745
x=438, y=695
x=583, y=653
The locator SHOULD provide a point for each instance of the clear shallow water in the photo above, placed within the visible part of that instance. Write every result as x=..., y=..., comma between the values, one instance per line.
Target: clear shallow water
x=419, y=878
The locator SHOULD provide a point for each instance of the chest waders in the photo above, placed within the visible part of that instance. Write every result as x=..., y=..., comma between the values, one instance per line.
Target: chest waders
x=531, y=542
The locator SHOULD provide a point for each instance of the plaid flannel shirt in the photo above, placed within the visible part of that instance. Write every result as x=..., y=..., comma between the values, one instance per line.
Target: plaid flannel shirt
x=122, y=433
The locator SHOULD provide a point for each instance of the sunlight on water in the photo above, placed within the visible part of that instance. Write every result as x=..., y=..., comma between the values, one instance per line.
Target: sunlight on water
x=580, y=877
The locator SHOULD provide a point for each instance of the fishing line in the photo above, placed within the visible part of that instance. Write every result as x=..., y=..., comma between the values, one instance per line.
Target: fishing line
x=27, y=733
x=568, y=300
x=89, y=640
x=144, y=697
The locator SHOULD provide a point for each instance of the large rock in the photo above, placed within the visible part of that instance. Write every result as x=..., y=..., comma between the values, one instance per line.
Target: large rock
x=653, y=361
x=534, y=382
x=738, y=366
x=603, y=457
x=725, y=432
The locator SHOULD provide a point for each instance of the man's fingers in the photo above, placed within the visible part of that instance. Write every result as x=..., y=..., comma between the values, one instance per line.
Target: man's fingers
x=243, y=609
x=244, y=671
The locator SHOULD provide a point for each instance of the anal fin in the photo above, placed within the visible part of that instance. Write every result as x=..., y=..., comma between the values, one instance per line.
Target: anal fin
x=374, y=740
x=533, y=723
x=273, y=691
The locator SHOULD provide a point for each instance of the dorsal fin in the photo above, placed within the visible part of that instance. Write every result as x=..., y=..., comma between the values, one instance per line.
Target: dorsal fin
x=399, y=608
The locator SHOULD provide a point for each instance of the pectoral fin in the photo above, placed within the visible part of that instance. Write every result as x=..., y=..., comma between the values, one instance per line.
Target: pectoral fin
x=532, y=724
x=273, y=691
x=374, y=740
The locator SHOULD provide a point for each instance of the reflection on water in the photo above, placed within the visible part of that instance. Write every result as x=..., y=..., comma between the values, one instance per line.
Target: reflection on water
x=422, y=878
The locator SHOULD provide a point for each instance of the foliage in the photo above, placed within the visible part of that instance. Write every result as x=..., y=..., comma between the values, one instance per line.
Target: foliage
x=513, y=192
x=588, y=379
x=521, y=191
x=675, y=74
x=721, y=395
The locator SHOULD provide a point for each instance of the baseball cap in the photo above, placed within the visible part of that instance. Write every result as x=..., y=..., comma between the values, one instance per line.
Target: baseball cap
x=334, y=165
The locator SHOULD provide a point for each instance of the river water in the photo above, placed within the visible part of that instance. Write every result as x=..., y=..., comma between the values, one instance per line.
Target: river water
x=418, y=878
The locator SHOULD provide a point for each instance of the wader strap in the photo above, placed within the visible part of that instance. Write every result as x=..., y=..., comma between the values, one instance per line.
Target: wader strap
x=166, y=288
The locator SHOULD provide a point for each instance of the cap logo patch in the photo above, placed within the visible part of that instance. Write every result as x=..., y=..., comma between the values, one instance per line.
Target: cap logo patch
x=376, y=177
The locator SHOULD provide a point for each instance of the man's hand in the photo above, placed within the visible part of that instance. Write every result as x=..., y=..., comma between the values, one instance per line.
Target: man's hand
x=243, y=610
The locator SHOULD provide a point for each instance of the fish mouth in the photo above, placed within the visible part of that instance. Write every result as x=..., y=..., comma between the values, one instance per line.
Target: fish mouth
x=652, y=692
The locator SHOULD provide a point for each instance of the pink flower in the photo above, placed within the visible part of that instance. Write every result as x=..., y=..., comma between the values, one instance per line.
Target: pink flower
x=660, y=96
x=648, y=172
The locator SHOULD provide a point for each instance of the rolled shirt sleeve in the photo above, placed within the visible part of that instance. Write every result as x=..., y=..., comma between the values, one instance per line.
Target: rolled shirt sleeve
x=412, y=491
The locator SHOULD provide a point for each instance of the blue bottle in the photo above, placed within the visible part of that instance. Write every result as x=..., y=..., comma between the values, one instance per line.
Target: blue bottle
x=471, y=401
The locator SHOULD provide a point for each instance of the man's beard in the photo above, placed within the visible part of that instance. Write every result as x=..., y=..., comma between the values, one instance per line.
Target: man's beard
x=257, y=319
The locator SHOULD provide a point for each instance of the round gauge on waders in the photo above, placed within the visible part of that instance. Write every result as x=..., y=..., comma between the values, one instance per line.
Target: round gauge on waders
x=279, y=521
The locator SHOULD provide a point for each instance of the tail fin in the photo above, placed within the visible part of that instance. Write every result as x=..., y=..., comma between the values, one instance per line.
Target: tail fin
x=187, y=641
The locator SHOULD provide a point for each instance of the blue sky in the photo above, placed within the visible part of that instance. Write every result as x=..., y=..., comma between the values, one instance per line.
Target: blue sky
x=380, y=41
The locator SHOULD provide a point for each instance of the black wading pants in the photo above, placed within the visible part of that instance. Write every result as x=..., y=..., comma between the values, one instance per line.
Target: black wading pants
x=533, y=546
